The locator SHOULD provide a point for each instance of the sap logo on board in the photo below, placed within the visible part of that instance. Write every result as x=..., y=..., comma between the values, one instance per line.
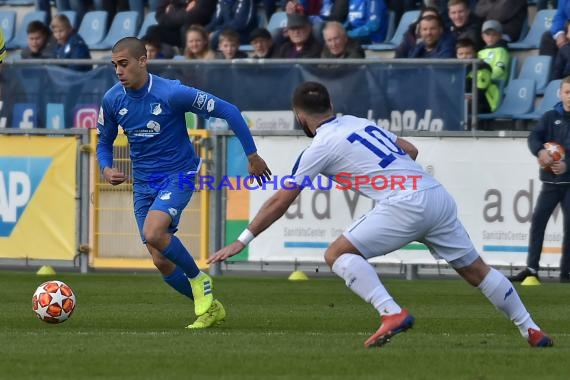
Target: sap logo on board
x=19, y=179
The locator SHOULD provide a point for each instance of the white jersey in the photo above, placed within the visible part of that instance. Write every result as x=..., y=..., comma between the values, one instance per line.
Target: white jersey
x=359, y=155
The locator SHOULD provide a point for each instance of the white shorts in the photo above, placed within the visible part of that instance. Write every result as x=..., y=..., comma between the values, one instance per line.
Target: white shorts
x=428, y=216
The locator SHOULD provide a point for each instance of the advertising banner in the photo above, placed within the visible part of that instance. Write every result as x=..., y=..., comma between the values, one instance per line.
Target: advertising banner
x=37, y=197
x=494, y=182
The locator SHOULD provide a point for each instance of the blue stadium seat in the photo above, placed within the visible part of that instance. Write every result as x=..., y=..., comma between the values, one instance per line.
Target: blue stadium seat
x=93, y=27
x=19, y=2
x=72, y=16
x=537, y=67
x=518, y=100
x=550, y=98
x=8, y=24
x=149, y=20
x=542, y=22
x=124, y=25
x=408, y=18
x=20, y=40
x=276, y=23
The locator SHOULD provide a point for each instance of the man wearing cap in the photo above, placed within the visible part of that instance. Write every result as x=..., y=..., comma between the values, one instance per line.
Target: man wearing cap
x=300, y=43
x=262, y=42
x=495, y=53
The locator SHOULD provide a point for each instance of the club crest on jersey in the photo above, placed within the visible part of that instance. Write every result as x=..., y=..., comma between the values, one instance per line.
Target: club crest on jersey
x=155, y=109
x=200, y=100
x=210, y=106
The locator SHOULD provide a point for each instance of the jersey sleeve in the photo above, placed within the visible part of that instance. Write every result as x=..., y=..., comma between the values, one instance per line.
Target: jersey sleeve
x=189, y=99
x=309, y=164
x=107, y=129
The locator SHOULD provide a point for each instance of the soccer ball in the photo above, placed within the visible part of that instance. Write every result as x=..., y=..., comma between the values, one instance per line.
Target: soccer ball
x=555, y=150
x=53, y=302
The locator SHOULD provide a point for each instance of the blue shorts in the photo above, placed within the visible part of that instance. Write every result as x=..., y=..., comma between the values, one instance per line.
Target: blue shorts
x=169, y=197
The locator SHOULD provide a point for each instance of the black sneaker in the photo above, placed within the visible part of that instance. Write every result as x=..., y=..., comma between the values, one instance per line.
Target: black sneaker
x=519, y=277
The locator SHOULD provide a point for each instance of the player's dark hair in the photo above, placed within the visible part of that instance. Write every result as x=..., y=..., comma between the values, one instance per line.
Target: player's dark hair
x=465, y=43
x=37, y=26
x=433, y=18
x=312, y=97
x=132, y=44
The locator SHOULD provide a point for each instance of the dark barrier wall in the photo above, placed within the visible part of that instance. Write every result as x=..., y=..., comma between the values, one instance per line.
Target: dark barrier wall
x=410, y=96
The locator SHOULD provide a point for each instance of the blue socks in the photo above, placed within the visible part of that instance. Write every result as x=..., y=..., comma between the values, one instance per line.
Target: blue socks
x=179, y=282
x=180, y=256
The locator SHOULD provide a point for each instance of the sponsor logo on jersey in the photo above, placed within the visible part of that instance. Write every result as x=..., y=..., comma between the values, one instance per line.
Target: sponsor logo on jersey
x=153, y=126
x=200, y=100
x=155, y=109
x=210, y=106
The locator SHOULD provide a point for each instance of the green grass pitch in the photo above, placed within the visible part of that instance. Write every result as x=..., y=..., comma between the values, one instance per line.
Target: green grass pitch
x=131, y=326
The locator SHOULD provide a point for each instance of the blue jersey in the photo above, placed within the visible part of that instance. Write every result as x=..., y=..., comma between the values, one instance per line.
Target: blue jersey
x=153, y=120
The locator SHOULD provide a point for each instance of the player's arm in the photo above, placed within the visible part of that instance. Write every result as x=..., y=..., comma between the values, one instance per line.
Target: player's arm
x=408, y=147
x=188, y=99
x=107, y=130
x=271, y=211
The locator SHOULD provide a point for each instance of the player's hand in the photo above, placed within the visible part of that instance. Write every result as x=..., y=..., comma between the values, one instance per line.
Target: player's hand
x=561, y=40
x=258, y=168
x=544, y=159
x=228, y=251
x=113, y=176
x=558, y=167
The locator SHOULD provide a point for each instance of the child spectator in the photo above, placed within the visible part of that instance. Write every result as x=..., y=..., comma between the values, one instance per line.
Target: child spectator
x=495, y=52
x=197, y=43
x=561, y=67
x=157, y=50
x=488, y=93
x=40, y=45
x=262, y=43
x=228, y=45
x=70, y=45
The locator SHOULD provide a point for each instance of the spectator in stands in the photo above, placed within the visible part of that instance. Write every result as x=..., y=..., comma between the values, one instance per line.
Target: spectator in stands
x=496, y=52
x=238, y=15
x=337, y=43
x=2, y=46
x=228, y=45
x=301, y=43
x=555, y=177
x=40, y=44
x=334, y=10
x=488, y=93
x=412, y=35
x=306, y=7
x=512, y=14
x=157, y=50
x=70, y=45
x=262, y=43
x=554, y=39
x=464, y=24
x=197, y=45
x=561, y=66
x=174, y=17
x=367, y=21
x=434, y=42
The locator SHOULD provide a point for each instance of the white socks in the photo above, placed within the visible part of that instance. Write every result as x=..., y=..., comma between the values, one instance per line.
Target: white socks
x=502, y=294
x=361, y=278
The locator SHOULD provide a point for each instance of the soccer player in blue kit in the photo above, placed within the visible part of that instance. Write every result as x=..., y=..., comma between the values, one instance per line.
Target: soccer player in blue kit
x=420, y=211
x=150, y=110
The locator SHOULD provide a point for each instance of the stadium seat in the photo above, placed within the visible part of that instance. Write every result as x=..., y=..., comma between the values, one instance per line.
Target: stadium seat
x=391, y=25
x=124, y=25
x=550, y=98
x=542, y=22
x=149, y=20
x=518, y=100
x=72, y=16
x=408, y=18
x=93, y=27
x=8, y=24
x=276, y=23
x=537, y=67
x=20, y=40
x=19, y=2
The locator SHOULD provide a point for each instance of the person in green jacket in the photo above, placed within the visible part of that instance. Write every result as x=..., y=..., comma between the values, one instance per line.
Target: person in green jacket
x=495, y=53
x=2, y=46
x=488, y=93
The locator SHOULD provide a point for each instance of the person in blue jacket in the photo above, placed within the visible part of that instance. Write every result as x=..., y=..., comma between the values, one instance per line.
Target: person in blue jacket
x=555, y=38
x=434, y=42
x=367, y=21
x=151, y=112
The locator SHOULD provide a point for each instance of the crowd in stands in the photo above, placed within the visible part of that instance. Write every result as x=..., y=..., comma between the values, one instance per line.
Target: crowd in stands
x=220, y=29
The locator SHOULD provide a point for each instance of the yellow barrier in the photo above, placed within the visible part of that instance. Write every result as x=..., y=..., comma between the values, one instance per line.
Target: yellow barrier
x=115, y=239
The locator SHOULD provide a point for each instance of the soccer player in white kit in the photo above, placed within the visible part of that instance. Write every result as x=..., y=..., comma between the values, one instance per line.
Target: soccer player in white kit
x=410, y=205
